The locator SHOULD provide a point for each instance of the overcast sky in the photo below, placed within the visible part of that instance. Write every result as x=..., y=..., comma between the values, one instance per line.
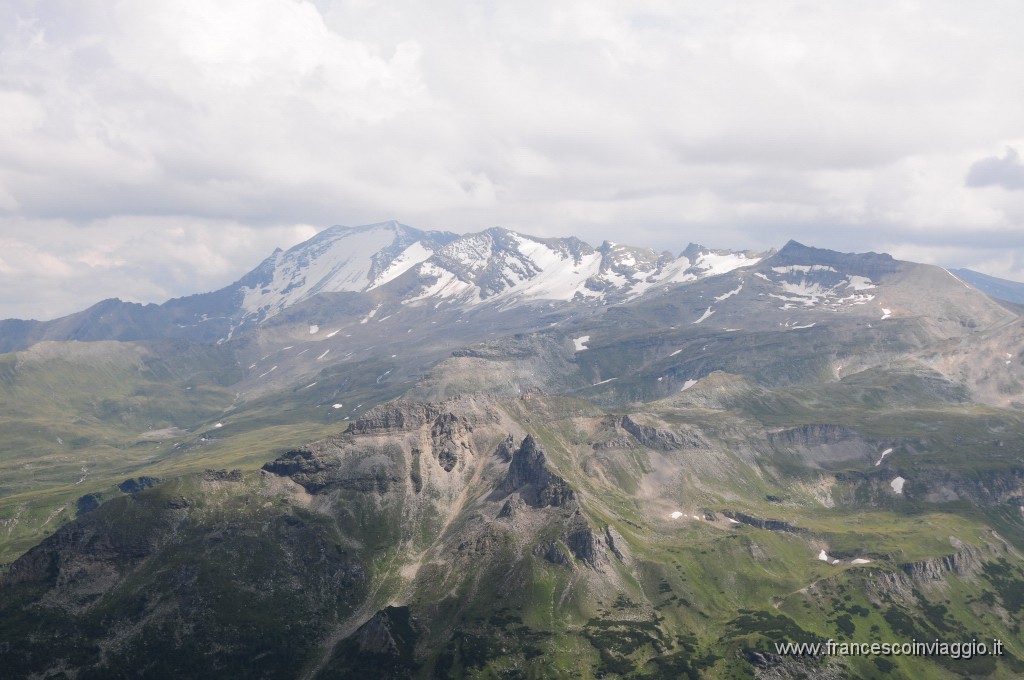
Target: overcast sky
x=156, y=148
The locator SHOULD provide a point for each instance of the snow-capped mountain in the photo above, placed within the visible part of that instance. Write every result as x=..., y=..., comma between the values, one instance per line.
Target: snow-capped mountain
x=492, y=266
x=335, y=260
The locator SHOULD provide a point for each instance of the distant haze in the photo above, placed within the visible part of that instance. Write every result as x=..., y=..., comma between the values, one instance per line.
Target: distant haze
x=158, y=149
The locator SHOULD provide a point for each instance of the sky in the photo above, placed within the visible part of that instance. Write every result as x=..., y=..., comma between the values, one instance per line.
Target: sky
x=157, y=148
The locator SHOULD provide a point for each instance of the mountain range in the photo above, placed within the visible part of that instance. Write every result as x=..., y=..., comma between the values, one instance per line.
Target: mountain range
x=396, y=453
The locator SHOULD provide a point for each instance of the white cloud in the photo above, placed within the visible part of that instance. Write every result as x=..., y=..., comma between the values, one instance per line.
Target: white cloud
x=742, y=126
x=51, y=267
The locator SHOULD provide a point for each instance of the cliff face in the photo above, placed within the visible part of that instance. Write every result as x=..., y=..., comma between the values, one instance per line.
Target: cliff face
x=529, y=476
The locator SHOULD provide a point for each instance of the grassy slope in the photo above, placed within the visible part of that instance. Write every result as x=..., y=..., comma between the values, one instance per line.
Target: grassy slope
x=79, y=418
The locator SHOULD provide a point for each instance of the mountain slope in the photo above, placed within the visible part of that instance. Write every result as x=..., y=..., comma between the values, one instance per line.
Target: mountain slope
x=479, y=535
x=529, y=457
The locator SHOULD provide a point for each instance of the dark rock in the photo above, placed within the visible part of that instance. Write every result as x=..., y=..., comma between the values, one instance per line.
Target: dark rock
x=415, y=476
x=587, y=547
x=179, y=503
x=767, y=524
x=506, y=448
x=138, y=484
x=319, y=466
x=87, y=504
x=552, y=553
x=538, y=486
x=613, y=540
x=511, y=507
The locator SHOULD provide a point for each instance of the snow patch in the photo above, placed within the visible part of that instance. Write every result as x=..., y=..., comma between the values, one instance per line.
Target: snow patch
x=726, y=296
x=884, y=454
x=581, y=342
x=675, y=353
x=712, y=264
x=333, y=333
x=337, y=406
x=860, y=560
x=796, y=328
x=218, y=425
x=323, y=355
x=897, y=484
x=708, y=312
x=605, y=381
x=262, y=375
x=676, y=514
x=859, y=283
x=823, y=556
x=886, y=313
x=407, y=259
x=688, y=384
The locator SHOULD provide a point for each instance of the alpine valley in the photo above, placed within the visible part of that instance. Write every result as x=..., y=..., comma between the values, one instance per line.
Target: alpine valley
x=390, y=453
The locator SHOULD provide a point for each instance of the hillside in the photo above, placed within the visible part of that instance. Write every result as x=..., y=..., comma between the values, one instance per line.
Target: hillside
x=414, y=454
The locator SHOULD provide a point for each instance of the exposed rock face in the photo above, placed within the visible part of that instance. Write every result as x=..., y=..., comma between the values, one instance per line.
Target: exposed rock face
x=587, y=547
x=137, y=484
x=506, y=448
x=389, y=633
x=305, y=466
x=661, y=439
x=450, y=435
x=812, y=435
x=87, y=504
x=593, y=549
x=768, y=524
x=552, y=553
x=537, y=485
x=967, y=563
x=395, y=416
x=321, y=465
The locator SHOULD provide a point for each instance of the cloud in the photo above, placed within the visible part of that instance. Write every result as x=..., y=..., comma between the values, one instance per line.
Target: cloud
x=50, y=268
x=666, y=121
x=1006, y=172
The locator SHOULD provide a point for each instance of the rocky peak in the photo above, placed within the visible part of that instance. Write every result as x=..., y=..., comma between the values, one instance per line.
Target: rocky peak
x=536, y=484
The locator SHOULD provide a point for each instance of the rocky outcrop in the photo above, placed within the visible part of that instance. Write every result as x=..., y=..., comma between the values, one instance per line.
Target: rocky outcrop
x=222, y=476
x=451, y=442
x=536, y=484
x=767, y=524
x=662, y=439
x=320, y=465
x=553, y=553
x=387, y=633
x=138, y=484
x=966, y=563
x=592, y=548
x=395, y=416
x=506, y=448
x=587, y=547
x=812, y=435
